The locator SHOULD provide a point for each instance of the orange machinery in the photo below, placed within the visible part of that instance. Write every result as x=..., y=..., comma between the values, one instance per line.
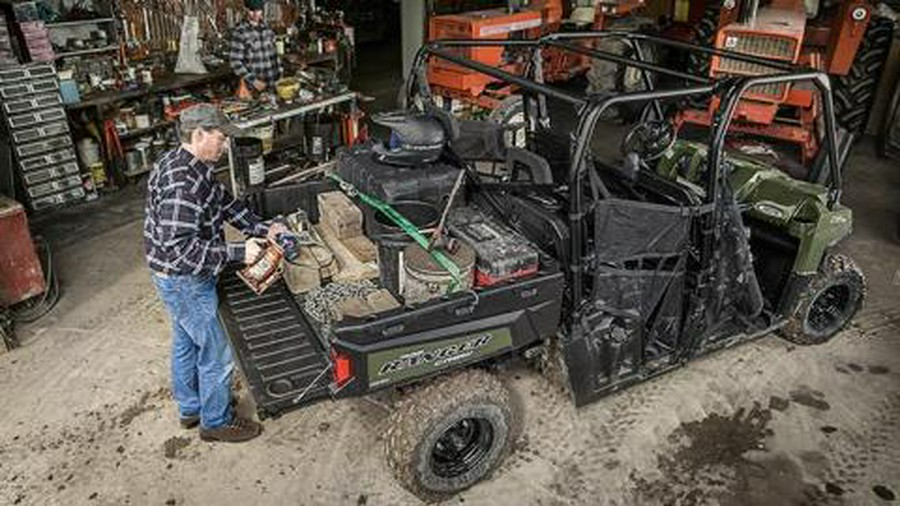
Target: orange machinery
x=780, y=31
x=540, y=18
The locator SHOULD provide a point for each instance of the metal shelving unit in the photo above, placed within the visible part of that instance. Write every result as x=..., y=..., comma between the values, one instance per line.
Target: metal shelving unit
x=84, y=52
x=80, y=22
x=162, y=125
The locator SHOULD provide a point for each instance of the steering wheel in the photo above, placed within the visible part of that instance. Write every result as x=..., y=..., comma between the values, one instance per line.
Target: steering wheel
x=649, y=139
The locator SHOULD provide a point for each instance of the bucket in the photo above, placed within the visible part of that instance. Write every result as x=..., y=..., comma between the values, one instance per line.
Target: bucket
x=319, y=137
x=248, y=160
x=267, y=135
x=424, y=279
x=88, y=151
x=98, y=172
x=143, y=149
x=392, y=240
x=133, y=160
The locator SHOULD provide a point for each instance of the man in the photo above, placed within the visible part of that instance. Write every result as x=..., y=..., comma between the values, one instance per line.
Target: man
x=253, y=55
x=186, y=250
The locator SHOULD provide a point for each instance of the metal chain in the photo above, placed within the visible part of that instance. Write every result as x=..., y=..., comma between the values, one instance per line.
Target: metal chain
x=322, y=303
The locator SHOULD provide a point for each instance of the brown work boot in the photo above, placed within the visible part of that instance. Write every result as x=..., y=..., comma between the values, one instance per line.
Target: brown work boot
x=190, y=422
x=240, y=429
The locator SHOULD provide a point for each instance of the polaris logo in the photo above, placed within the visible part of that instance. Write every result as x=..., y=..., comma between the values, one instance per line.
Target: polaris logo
x=437, y=357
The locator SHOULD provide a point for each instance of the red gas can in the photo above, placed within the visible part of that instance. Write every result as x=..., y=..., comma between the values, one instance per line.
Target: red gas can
x=21, y=276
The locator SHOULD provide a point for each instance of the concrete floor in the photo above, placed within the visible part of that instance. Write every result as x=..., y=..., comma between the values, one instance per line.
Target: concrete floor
x=88, y=417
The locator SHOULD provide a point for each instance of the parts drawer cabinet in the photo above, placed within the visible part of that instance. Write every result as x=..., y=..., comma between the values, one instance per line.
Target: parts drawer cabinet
x=38, y=130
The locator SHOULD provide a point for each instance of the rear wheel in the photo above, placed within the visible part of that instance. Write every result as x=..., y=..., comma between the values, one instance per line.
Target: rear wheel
x=854, y=92
x=449, y=434
x=829, y=303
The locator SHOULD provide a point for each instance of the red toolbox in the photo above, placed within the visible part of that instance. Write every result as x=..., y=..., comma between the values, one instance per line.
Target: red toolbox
x=503, y=254
x=21, y=276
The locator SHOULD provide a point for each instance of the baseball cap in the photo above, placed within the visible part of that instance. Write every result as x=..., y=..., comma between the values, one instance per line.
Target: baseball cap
x=208, y=117
x=254, y=5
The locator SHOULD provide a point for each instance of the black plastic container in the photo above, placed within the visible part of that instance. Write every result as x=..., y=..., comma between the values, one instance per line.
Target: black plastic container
x=391, y=239
x=431, y=183
x=248, y=161
x=320, y=137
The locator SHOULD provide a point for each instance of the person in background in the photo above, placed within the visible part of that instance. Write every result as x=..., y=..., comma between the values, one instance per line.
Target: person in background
x=252, y=54
x=185, y=246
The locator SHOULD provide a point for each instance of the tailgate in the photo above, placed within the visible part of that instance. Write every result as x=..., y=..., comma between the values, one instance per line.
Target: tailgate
x=283, y=361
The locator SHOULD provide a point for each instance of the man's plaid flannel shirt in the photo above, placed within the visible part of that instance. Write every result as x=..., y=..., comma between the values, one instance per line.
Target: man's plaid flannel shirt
x=253, y=55
x=185, y=214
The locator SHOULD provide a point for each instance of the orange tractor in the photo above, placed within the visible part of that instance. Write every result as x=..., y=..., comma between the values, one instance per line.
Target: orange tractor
x=844, y=39
x=539, y=18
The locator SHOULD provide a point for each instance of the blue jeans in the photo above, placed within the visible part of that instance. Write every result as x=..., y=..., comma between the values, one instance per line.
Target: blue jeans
x=201, y=356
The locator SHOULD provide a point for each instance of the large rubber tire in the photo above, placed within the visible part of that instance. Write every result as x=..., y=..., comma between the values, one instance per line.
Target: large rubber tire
x=511, y=115
x=429, y=412
x=698, y=64
x=854, y=92
x=611, y=78
x=838, y=288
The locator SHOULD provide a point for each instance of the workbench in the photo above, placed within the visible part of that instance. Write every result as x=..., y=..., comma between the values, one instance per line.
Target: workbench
x=283, y=112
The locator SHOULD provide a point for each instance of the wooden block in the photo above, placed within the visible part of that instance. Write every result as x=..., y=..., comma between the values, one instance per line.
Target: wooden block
x=340, y=214
x=351, y=268
x=363, y=248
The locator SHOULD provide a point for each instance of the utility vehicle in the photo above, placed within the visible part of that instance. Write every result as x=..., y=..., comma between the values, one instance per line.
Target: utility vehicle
x=677, y=249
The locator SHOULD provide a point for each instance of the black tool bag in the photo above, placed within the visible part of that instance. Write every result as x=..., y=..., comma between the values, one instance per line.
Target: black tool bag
x=430, y=183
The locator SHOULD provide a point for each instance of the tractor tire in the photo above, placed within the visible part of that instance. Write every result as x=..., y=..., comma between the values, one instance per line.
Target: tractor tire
x=606, y=77
x=829, y=303
x=511, y=115
x=451, y=433
x=699, y=64
x=854, y=92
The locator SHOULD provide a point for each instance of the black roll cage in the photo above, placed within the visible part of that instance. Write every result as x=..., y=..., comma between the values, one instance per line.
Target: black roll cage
x=592, y=107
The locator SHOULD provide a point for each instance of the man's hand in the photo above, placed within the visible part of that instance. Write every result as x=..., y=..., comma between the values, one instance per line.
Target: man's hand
x=253, y=248
x=275, y=229
x=259, y=84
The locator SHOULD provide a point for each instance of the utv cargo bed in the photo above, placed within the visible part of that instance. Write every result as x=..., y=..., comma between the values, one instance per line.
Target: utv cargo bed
x=285, y=365
x=285, y=355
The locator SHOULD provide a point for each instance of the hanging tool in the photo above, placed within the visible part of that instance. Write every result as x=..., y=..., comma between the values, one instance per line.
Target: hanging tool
x=114, y=153
x=408, y=227
x=437, y=235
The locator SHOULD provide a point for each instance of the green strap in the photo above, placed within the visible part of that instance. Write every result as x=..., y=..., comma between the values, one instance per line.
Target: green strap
x=407, y=226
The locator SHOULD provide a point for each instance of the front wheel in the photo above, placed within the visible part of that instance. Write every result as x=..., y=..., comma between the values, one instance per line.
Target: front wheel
x=447, y=435
x=828, y=304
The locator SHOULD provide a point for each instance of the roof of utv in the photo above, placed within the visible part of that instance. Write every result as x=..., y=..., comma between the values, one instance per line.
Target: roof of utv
x=592, y=106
